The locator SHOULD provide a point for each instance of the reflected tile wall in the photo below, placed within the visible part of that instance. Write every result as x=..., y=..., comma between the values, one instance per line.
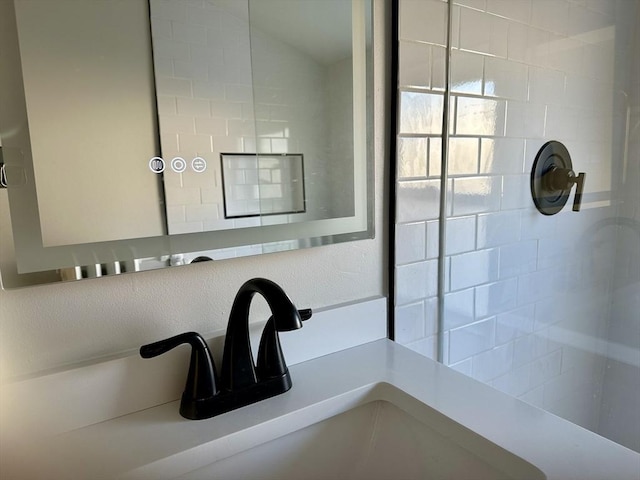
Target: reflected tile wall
x=200, y=108
x=523, y=72
x=207, y=105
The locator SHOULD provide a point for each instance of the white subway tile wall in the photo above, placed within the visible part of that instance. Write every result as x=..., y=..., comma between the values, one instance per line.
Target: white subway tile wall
x=527, y=293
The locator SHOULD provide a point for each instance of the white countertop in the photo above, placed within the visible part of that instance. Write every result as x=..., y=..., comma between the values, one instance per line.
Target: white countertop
x=157, y=443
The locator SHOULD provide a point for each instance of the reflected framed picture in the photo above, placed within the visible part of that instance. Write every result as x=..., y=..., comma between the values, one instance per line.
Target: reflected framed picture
x=262, y=184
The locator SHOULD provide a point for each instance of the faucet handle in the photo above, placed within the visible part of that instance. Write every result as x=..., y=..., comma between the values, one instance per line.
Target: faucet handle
x=201, y=379
x=271, y=361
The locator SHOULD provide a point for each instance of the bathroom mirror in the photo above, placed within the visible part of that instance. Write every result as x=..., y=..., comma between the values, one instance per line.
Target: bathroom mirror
x=116, y=118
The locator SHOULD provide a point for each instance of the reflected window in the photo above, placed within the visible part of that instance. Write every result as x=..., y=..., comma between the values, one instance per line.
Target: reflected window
x=256, y=185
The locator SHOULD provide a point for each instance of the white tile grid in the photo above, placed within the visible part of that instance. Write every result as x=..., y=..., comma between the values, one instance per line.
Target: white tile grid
x=519, y=78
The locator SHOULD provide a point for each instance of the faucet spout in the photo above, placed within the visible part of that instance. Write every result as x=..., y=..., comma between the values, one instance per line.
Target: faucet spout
x=241, y=381
x=238, y=368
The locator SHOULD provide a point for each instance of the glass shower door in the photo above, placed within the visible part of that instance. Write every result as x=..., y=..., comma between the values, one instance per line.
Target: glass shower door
x=543, y=307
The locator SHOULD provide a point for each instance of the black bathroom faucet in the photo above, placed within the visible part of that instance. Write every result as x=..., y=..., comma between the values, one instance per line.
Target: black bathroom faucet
x=241, y=381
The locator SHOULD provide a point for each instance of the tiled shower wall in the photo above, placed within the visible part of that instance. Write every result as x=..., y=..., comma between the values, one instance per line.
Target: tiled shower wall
x=527, y=302
x=212, y=99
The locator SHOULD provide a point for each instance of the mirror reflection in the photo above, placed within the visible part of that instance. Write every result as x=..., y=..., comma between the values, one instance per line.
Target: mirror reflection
x=258, y=185
x=88, y=91
x=266, y=77
x=119, y=115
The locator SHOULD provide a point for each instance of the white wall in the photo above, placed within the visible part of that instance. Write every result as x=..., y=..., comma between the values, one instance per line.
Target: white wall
x=527, y=300
x=49, y=326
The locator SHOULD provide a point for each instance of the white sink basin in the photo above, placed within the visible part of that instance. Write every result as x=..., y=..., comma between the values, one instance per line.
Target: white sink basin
x=390, y=436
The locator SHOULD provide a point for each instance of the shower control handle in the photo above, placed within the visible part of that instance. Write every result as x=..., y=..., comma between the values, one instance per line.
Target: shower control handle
x=560, y=179
x=552, y=178
x=577, y=199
